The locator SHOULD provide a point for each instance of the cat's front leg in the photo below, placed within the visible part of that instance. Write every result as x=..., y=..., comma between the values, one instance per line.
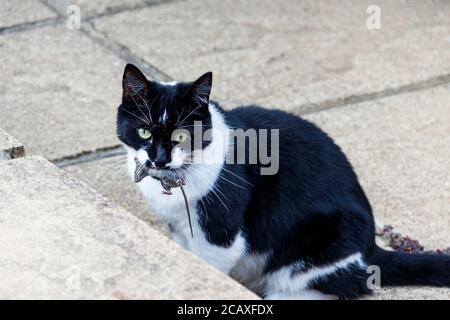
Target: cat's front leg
x=223, y=258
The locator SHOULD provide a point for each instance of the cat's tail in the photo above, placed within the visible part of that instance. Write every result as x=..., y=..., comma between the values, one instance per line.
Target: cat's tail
x=404, y=269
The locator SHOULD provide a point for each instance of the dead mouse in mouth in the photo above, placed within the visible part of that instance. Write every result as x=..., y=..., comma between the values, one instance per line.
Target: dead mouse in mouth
x=169, y=179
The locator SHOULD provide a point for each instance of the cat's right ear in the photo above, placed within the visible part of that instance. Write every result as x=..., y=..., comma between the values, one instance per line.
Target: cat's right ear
x=134, y=82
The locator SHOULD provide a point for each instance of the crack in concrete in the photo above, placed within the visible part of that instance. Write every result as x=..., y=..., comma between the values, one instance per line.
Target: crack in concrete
x=110, y=11
x=125, y=8
x=354, y=99
x=47, y=5
x=123, y=52
x=25, y=26
x=90, y=156
x=61, y=16
x=88, y=28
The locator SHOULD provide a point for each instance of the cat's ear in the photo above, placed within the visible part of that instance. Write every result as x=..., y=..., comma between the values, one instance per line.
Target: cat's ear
x=134, y=82
x=201, y=88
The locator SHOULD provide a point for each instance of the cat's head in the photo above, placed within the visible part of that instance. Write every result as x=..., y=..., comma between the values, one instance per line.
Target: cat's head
x=156, y=121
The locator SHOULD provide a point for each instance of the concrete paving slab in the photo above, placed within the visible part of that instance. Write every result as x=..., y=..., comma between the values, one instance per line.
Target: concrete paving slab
x=400, y=148
x=62, y=91
x=110, y=178
x=59, y=239
x=10, y=148
x=290, y=54
x=91, y=8
x=14, y=12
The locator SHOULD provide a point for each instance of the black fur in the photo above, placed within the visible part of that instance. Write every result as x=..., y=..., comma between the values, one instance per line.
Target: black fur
x=313, y=210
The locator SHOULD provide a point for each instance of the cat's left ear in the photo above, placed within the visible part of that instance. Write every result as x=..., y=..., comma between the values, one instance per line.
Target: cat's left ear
x=134, y=82
x=201, y=88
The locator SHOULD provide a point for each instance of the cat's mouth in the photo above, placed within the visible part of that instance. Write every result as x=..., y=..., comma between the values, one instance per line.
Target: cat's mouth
x=142, y=172
x=170, y=176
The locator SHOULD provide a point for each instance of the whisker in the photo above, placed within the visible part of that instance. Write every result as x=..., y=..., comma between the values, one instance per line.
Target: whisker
x=151, y=105
x=213, y=190
x=195, y=125
x=120, y=171
x=237, y=176
x=177, y=115
x=222, y=177
x=136, y=116
x=220, y=199
x=137, y=105
x=189, y=114
x=220, y=191
x=204, y=207
x=184, y=107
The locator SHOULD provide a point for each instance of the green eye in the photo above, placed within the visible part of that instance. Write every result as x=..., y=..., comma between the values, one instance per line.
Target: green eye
x=144, y=133
x=180, y=137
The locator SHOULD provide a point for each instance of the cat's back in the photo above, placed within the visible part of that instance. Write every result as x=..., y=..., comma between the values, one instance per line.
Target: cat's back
x=295, y=132
x=309, y=161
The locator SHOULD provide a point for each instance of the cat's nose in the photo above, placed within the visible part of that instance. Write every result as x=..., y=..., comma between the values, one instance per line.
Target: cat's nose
x=160, y=164
x=156, y=164
x=161, y=156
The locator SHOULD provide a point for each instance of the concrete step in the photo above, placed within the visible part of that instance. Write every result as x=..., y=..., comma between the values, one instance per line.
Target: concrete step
x=10, y=148
x=60, y=239
x=99, y=174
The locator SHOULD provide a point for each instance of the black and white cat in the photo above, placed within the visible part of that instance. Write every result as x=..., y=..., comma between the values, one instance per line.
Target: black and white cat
x=306, y=232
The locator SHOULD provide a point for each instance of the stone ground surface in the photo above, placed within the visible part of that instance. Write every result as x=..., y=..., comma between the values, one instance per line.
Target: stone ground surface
x=382, y=94
x=91, y=8
x=76, y=244
x=14, y=12
x=290, y=54
x=66, y=104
